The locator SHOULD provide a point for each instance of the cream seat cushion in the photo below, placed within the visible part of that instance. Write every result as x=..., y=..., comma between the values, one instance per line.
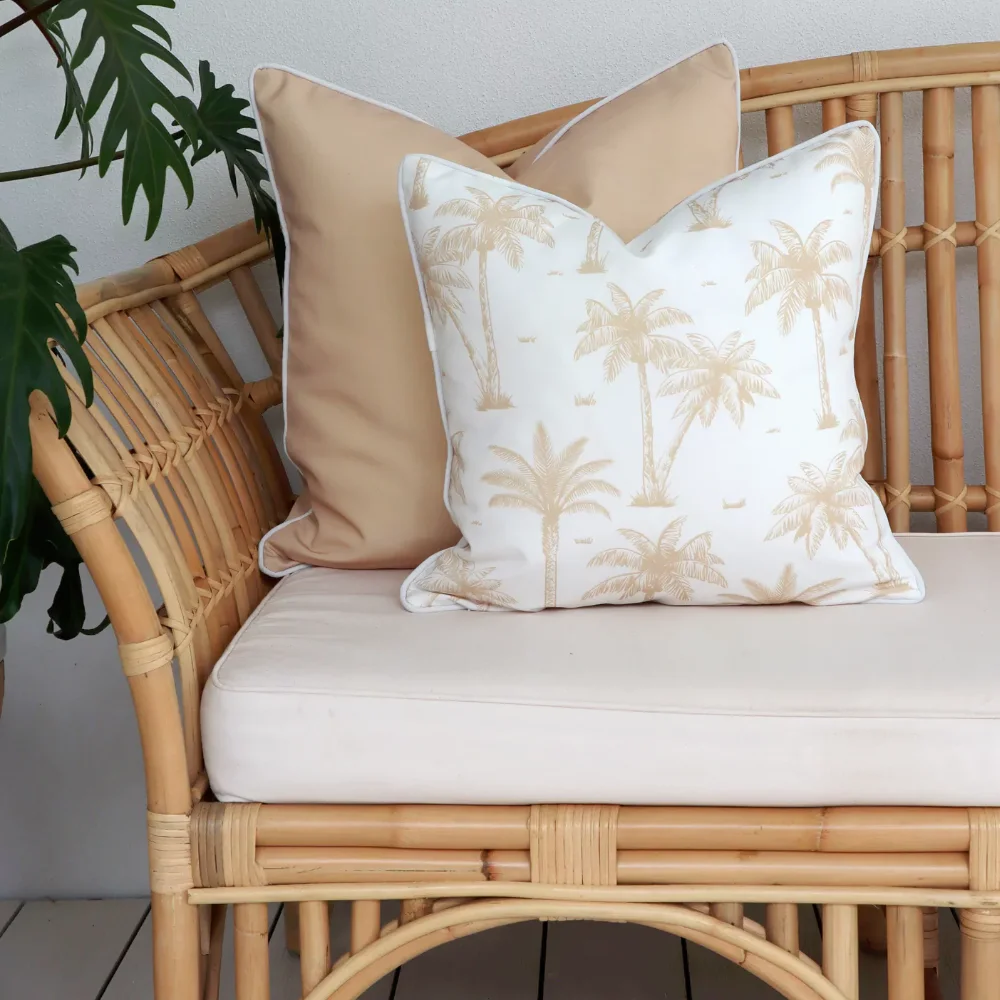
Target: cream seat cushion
x=333, y=693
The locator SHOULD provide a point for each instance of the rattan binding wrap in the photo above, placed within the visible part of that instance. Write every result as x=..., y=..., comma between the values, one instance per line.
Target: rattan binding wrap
x=573, y=845
x=169, y=853
x=142, y=657
x=81, y=511
x=224, y=844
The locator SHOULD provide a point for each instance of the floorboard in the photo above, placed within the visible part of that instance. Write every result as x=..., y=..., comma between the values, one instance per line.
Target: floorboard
x=65, y=949
x=133, y=979
x=70, y=949
x=499, y=964
x=590, y=960
x=715, y=978
x=8, y=908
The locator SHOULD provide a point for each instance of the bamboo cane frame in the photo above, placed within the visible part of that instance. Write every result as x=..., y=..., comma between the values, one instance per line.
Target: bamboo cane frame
x=789, y=974
x=179, y=452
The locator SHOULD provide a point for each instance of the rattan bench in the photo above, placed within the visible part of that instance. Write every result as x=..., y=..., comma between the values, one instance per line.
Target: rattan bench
x=179, y=452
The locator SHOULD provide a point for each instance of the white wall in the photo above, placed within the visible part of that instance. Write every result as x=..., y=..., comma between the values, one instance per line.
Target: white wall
x=71, y=801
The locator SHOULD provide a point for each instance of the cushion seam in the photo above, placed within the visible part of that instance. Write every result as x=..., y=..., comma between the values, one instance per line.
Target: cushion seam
x=591, y=707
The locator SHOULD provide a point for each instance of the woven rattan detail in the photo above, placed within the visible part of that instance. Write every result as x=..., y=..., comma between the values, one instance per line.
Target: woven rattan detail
x=861, y=106
x=123, y=487
x=897, y=497
x=574, y=845
x=186, y=262
x=212, y=592
x=892, y=240
x=142, y=657
x=224, y=844
x=940, y=235
x=995, y=494
x=950, y=502
x=987, y=232
x=984, y=849
x=980, y=925
x=83, y=510
x=169, y=852
x=222, y=409
x=865, y=66
x=160, y=457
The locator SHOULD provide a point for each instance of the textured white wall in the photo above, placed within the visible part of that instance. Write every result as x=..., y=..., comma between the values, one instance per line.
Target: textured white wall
x=71, y=800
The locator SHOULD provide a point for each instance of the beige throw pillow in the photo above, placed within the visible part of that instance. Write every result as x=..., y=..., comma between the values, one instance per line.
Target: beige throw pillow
x=362, y=418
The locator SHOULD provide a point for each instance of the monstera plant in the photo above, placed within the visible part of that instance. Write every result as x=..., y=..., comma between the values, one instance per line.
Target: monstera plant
x=129, y=98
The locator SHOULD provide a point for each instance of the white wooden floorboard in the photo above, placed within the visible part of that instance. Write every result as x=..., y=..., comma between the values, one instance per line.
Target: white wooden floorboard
x=8, y=907
x=499, y=964
x=133, y=979
x=589, y=960
x=65, y=949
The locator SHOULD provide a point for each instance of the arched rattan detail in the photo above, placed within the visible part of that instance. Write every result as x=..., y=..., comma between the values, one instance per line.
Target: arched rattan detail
x=790, y=975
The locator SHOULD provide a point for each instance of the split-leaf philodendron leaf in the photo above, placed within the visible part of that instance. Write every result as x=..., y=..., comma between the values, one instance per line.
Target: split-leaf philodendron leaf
x=133, y=44
x=38, y=305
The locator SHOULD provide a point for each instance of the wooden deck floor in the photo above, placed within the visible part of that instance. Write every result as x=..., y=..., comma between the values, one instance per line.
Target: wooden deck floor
x=100, y=950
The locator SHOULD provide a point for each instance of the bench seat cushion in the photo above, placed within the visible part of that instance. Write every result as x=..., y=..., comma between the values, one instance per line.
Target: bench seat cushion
x=332, y=692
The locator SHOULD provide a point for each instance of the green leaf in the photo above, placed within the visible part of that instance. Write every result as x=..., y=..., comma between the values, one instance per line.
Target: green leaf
x=43, y=543
x=133, y=42
x=74, y=103
x=217, y=125
x=20, y=569
x=36, y=297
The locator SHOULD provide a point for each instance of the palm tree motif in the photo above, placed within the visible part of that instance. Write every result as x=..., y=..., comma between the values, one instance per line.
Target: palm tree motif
x=706, y=213
x=709, y=375
x=418, y=193
x=552, y=485
x=799, y=272
x=628, y=331
x=441, y=274
x=706, y=210
x=593, y=263
x=664, y=566
x=500, y=225
x=856, y=429
x=457, y=489
x=785, y=592
x=825, y=503
x=454, y=575
x=854, y=154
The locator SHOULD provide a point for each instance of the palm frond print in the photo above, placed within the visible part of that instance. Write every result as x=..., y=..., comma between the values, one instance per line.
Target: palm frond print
x=553, y=485
x=799, y=274
x=661, y=567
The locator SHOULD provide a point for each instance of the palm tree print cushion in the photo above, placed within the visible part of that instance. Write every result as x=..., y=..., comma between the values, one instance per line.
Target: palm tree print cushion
x=673, y=419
